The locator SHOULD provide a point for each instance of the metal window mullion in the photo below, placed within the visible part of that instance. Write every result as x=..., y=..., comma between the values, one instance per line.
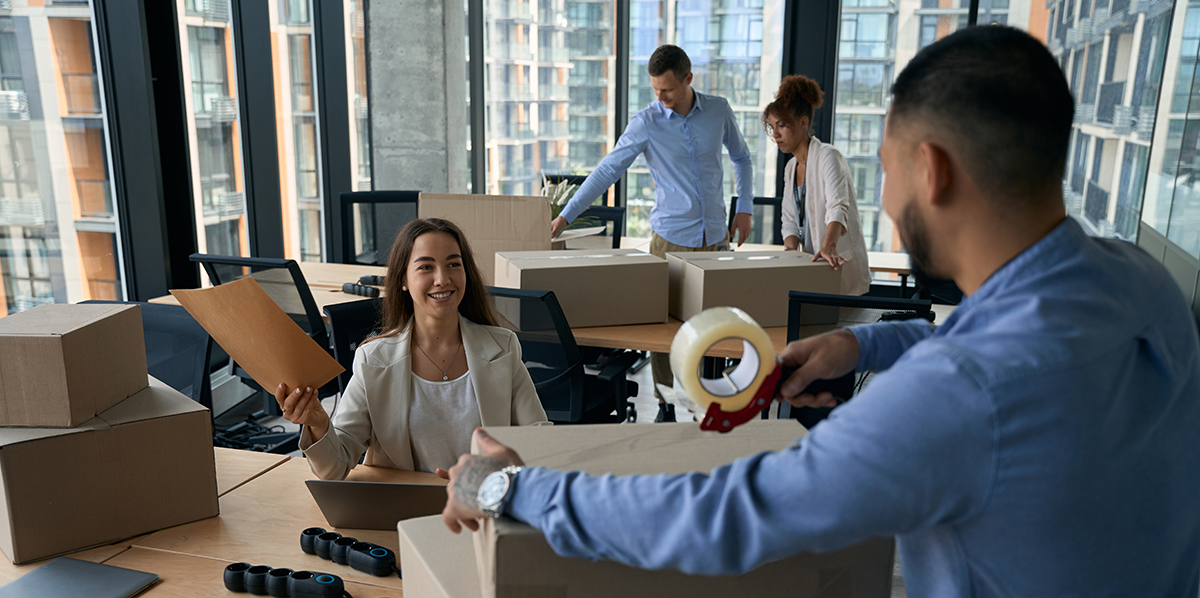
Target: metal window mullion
x=621, y=91
x=333, y=128
x=477, y=73
x=973, y=14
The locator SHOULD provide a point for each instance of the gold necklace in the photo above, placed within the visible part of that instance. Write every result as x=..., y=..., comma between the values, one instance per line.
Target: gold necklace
x=445, y=376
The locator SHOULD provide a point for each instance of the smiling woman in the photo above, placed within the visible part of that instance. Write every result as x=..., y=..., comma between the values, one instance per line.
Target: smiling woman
x=439, y=369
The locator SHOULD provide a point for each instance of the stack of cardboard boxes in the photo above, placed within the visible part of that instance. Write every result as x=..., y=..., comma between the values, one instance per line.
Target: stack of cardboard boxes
x=93, y=450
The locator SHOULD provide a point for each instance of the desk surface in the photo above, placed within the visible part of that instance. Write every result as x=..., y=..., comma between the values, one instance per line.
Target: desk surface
x=324, y=281
x=235, y=467
x=261, y=521
x=191, y=576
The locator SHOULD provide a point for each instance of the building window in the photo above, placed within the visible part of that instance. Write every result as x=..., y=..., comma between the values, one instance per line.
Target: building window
x=866, y=35
x=863, y=83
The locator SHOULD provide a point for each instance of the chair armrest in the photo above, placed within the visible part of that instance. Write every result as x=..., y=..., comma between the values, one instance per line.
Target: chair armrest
x=559, y=379
x=618, y=366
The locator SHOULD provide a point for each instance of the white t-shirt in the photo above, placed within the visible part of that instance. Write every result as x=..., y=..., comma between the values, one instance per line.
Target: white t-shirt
x=440, y=421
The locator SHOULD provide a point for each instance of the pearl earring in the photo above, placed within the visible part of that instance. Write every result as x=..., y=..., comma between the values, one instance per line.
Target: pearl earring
x=403, y=288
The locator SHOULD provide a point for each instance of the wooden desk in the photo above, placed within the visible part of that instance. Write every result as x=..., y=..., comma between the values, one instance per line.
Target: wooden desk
x=261, y=521
x=191, y=576
x=658, y=337
x=324, y=280
x=235, y=467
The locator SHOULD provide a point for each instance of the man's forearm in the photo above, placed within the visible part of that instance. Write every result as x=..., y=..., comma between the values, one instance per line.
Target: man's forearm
x=880, y=345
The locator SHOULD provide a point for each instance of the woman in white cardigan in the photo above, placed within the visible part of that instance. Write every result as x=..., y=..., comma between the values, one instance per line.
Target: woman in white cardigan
x=820, y=214
x=439, y=369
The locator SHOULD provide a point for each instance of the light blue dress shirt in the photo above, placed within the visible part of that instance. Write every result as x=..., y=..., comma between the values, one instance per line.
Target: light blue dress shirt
x=1041, y=442
x=684, y=155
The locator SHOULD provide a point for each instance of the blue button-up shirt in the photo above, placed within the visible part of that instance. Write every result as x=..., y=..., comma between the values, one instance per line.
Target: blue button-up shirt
x=1040, y=442
x=684, y=155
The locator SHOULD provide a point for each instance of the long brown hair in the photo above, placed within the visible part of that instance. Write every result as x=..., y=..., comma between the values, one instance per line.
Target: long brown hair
x=398, y=305
x=797, y=97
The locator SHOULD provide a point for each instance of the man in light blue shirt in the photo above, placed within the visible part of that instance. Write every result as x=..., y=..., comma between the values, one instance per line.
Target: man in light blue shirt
x=681, y=136
x=1040, y=442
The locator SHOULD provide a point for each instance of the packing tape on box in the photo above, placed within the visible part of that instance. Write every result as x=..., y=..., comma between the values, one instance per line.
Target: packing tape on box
x=736, y=388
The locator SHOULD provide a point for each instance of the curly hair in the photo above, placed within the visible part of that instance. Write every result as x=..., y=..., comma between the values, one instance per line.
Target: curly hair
x=797, y=97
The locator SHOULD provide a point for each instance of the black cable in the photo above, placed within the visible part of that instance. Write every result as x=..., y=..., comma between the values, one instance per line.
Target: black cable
x=397, y=570
x=346, y=594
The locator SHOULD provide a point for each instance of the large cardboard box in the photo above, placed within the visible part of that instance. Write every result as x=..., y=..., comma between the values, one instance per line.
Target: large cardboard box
x=595, y=287
x=493, y=223
x=60, y=365
x=515, y=560
x=143, y=465
x=756, y=282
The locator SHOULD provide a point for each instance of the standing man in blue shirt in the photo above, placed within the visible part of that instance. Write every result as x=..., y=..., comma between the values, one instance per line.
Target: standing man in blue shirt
x=1040, y=442
x=681, y=136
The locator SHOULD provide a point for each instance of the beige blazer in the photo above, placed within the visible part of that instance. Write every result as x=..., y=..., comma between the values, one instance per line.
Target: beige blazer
x=372, y=415
x=830, y=199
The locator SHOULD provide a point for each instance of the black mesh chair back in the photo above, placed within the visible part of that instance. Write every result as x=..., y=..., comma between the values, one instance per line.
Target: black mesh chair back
x=810, y=314
x=349, y=324
x=612, y=218
x=177, y=349
x=370, y=222
x=548, y=349
x=281, y=279
x=766, y=220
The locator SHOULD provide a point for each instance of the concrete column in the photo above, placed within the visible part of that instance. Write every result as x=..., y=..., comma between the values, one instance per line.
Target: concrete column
x=418, y=96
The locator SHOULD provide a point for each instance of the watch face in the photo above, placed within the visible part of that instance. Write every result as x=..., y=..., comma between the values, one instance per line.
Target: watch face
x=492, y=491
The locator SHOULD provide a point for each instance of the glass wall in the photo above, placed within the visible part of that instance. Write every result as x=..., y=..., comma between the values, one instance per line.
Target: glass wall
x=206, y=42
x=736, y=49
x=1172, y=202
x=58, y=227
x=356, y=69
x=548, y=88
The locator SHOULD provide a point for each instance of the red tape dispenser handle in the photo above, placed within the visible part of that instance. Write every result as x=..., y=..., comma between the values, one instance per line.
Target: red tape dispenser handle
x=717, y=420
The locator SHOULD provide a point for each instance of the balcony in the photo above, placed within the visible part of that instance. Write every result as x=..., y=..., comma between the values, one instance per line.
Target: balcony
x=514, y=130
x=1122, y=121
x=550, y=91
x=735, y=4
x=1125, y=222
x=95, y=198
x=1150, y=8
x=223, y=109
x=587, y=23
x=82, y=94
x=511, y=10
x=553, y=17
x=1073, y=200
x=1096, y=31
x=554, y=128
x=511, y=91
x=1145, y=122
x=503, y=51
x=1111, y=95
x=593, y=51
x=514, y=170
x=360, y=108
x=13, y=105
x=1085, y=114
x=1095, y=203
x=21, y=211
x=553, y=54
x=211, y=10
x=226, y=205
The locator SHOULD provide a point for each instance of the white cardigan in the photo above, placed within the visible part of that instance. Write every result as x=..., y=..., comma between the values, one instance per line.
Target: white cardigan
x=372, y=415
x=830, y=198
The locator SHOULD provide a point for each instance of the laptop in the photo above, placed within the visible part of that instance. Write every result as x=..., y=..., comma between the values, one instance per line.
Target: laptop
x=375, y=505
x=73, y=577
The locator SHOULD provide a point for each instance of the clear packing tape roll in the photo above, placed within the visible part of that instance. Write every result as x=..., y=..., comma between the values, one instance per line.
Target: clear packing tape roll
x=736, y=388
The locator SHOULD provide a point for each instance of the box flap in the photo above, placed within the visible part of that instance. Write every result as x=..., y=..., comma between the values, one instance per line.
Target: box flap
x=436, y=561
x=155, y=401
x=664, y=448
x=11, y=436
x=55, y=319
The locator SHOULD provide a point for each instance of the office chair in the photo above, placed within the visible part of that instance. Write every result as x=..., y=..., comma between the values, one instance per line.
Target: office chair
x=606, y=215
x=810, y=314
x=368, y=240
x=568, y=393
x=284, y=283
x=759, y=234
x=177, y=349
x=349, y=324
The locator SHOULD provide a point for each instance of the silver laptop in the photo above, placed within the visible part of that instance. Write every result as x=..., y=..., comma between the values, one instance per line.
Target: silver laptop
x=375, y=505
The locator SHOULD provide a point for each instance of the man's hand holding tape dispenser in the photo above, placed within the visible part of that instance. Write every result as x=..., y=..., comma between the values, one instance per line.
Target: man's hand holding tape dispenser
x=1039, y=442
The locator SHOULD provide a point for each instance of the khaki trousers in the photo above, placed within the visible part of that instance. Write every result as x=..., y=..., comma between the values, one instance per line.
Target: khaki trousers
x=660, y=363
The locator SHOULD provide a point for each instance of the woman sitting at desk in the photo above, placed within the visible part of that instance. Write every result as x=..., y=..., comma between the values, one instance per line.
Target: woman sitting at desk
x=820, y=215
x=439, y=369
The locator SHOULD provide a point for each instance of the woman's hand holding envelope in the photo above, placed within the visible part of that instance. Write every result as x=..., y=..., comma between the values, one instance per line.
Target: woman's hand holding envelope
x=301, y=406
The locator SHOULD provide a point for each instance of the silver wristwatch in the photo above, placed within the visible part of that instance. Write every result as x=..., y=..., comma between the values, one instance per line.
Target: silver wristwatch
x=495, y=489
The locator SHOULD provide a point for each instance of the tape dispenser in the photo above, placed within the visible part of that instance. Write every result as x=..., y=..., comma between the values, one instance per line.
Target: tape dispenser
x=741, y=392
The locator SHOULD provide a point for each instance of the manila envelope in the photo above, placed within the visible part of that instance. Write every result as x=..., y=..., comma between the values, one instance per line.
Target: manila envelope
x=259, y=336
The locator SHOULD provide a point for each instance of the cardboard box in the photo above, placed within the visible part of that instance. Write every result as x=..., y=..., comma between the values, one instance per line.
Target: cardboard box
x=595, y=287
x=493, y=223
x=756, y=282
x=515, y=560
x=436, y=562
x=61, y=365
x=143, y=465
